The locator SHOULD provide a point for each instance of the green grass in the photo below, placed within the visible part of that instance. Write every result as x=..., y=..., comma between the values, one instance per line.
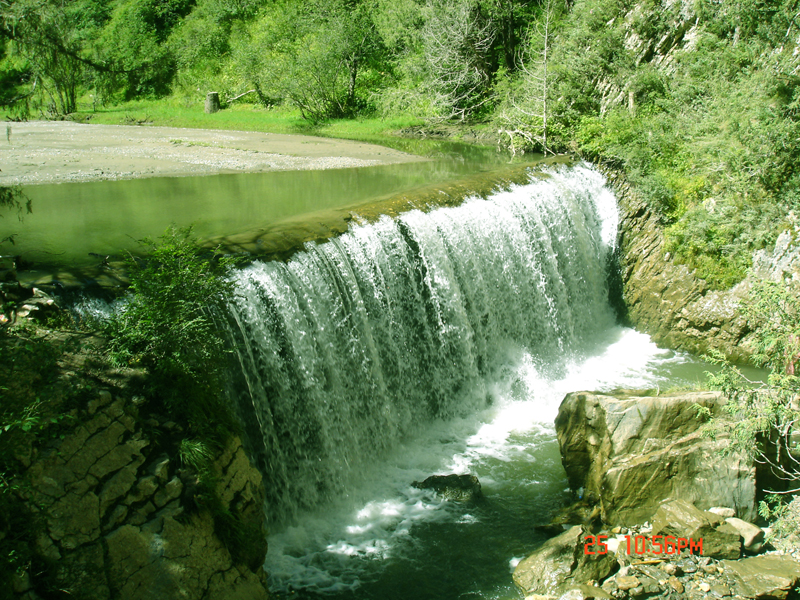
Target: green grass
x=240, y=117
x=173, y=112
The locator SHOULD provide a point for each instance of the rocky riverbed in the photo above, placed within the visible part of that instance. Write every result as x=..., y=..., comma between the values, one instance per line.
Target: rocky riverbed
x=663, y=513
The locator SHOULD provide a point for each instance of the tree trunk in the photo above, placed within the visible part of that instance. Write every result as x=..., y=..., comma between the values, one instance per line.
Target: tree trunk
x=212, y=102
x=351, y=87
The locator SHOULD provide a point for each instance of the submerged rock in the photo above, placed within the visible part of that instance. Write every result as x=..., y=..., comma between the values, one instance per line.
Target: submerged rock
x=463, y=488
x=630, y=453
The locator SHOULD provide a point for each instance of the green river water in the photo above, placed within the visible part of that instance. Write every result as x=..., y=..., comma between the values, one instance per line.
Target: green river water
x=349, y=524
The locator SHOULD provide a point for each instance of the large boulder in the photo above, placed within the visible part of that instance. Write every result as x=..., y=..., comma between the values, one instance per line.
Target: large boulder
x=548, y=568
x=562, y=564
x=631, y=452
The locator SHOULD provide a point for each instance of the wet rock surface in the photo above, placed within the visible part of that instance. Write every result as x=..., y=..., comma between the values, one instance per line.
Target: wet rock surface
x=630, y=452
x=675, y=518
x=462, y=488
x=121, y=522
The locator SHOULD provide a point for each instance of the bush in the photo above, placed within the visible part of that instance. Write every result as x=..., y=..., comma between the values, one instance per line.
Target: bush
x=166, y=326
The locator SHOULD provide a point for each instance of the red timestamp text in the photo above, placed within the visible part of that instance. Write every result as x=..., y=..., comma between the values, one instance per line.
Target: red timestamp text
x=639, y=544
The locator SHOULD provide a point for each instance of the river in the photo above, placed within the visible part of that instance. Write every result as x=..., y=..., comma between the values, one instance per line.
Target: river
x=431, y=342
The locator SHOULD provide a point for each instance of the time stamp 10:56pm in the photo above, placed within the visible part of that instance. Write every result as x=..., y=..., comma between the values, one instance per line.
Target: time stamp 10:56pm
x=658, y=544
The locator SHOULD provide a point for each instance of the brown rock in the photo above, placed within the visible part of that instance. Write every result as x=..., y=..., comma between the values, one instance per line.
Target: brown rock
x=764, y=577
x=753, y=537
x=548, y=568
x=632, y=452
x=675, y=584
x=119, y=485
x=680, y=519
x=75, y=520
x=627, y=582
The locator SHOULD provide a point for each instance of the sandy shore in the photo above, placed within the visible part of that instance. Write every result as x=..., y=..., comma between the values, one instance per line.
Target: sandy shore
x=57, y=152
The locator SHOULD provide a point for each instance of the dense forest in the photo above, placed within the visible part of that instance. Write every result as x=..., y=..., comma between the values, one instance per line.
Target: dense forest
x=696, y=100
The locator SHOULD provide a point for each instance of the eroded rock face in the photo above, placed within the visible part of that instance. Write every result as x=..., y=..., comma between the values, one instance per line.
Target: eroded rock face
x=675, y=307
x=630, y=453
x=116, y=517
x=666, y=300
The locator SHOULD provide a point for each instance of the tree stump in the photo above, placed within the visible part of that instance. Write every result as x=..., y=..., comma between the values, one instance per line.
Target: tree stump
x=212, y=102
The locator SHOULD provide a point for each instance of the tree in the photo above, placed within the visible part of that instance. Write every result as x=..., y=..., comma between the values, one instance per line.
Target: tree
x=457, y=40
x=314, y=55
x=134, y=42
x=527, y=109
x=510, y=19
x=49, y=37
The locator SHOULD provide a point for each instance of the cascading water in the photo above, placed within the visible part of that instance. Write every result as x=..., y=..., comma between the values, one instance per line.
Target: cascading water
x=432, y=342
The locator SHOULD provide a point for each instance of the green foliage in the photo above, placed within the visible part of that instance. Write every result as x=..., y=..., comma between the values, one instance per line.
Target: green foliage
x=763, y=417
x=319, y=56
x=785, y=517
x=167, y=327
x=49, y=50
x=697, y=104
x=134, y=42
x=704, y=126
x=196, y=455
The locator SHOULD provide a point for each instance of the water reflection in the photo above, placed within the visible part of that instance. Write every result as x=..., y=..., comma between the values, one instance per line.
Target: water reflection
x=74, y=223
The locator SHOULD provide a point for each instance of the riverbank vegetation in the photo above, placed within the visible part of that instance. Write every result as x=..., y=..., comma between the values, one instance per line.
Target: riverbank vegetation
x=696, y=101
x=162, y=343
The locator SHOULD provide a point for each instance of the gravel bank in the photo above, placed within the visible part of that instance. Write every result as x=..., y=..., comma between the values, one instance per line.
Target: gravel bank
x=57, y=152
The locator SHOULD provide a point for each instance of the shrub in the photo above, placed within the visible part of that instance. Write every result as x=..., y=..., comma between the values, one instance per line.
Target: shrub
x=166, y=326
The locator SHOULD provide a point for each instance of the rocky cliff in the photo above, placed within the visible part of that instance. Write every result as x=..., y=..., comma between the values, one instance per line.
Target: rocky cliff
x=117, y=516
x=674, y=306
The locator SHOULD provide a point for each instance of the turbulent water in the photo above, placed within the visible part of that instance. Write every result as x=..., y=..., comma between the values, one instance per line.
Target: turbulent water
x=429, y=343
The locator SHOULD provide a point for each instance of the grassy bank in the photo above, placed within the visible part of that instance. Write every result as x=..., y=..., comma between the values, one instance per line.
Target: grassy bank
x=239, y=117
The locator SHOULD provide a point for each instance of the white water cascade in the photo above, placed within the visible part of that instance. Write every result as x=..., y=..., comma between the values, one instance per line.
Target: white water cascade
x=420, y=343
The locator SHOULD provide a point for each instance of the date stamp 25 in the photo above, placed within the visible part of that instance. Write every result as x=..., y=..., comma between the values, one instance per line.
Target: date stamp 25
x=656, y=545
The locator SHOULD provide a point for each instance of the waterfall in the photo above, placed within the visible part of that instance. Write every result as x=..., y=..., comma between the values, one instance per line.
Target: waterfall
x=354, y=344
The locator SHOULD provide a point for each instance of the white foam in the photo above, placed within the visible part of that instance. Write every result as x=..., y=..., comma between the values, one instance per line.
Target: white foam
x=333, y=551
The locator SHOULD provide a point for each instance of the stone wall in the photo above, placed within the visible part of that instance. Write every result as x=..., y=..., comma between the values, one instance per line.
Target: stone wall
x=117, y=516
